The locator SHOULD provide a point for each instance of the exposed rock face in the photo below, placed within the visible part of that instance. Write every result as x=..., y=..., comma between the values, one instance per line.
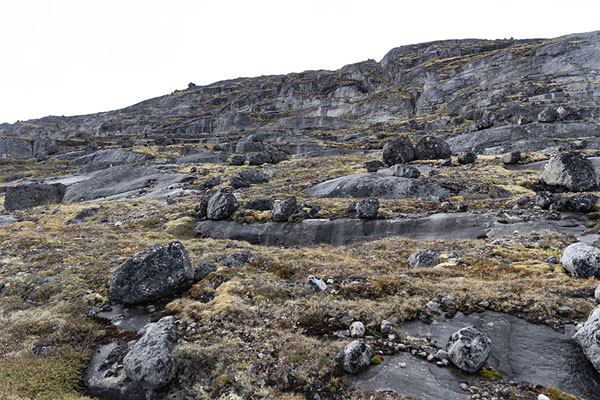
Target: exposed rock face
x=432, y=148
x=422, y=259
x=377, y=185
x=152, y=275
x=248, y=177
x=15, y=148
x=221, y=205
x=468, y=348
x=581, y=260
x=367, y=209
x=571, y=171
x=284, y=209
x=110, y=157
x=32, y=195
x=149, y=362
x=398, y=151
x=355, y=357
x=588, y=337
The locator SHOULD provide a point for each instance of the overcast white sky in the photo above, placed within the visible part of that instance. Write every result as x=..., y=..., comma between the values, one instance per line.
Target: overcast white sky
x=84, y=56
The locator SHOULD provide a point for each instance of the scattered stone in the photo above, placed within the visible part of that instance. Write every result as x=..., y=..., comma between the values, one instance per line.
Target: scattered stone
x=484, y=304
x=237, y=160
x=373, y=166
x=21, y=197
x=398, y=151
x=386, y=326
x=152, y=275
x=367, y=209
x=221, y=205
x=588, y=338
x=237, y=260
x=248, y=177
x=357, y=329
x=355, y=357
x=285, y=209
x=547, y=115
x=315, y=284
x=511, y=158
x=545, y=199
x=468, y=348
x=203, y=270
x=571, y=171
x=260, y=204
x=584, y=202
x=582, y=260
x=423, y=259
x=432, y=148
x=466, y=157
x=150, y=362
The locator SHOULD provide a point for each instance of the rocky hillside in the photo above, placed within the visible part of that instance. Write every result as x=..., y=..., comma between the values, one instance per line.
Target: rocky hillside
x=422, y=227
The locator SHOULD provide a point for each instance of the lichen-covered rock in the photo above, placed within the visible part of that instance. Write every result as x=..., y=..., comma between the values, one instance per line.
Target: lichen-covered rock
x=588, y=337
x=581, y=260
x=466, y=157
x=152, y=275
x=423, y=259
x=248, y=177
x=432, y=148
x=315, y=284
x=237, y=260
x=355, y=357
x=221, y=205
x=398, y=151
x=468, y=348
x=21, y=197
x=367, y=209
x=285, y=209
x=584, y=202
x=545, y=199
x=571, y=171
x=149, y=362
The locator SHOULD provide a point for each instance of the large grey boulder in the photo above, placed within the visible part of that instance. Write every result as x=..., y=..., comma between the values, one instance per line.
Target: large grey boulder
x=284, y=209
x=398, y=151
x=588, y=337
x=221, y=205
x=581, y=260
x=377, y=185
x=354, y=357
x=432, y=148
x=149, y=362
x=571, y=171
x=32, y=195
x=468, y=348
x=248, y=177
x=152, y=275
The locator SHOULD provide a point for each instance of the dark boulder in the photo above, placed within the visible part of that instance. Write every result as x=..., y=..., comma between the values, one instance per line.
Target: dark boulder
x=468, y=348
x=221, y=205
x=237, y=160
x=355, y=357
x=152, y=275
x=203, y=270
x=547, y=115
x=511, y=158
x=285, y=209
x=367, y=209
x=32, y=195
x=373, y=166
x=545, y=199
x=398, y=151
x=569, y=170
x=248, y=177
x=584, y=202
x=432, y=148
x=260, y=204
x=467, y=157
x=238, y=260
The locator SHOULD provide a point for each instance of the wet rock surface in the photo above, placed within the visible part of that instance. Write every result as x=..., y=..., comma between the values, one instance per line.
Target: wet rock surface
x=519, y=350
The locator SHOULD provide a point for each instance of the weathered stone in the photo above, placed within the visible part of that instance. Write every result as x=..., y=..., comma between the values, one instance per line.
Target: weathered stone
x=401, y=171
x=284, y=209
x=315, y=284
x=469, y=348
x=260, y=204
x=597, y=294
x=398, y=151
x=221, y=205
x=373, y=166
x=355, y=357
x=238, y=260
x=203, y=270
x=588, y=337
x=466, y=157
x=571, y=171
x=237, y=160
x=423, y=259
x=584, y=202
x=150, y=362
x=357, y=329
x=547, y=115
x=432, y=148
x=582, y=260
x=248, y=177
x=367, y=209
x=511, y=158
x=152, y=275
x=32, y=195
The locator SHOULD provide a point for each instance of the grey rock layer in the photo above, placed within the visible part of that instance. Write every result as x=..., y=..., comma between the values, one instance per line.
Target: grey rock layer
x=152, y=275
x=149, y=362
